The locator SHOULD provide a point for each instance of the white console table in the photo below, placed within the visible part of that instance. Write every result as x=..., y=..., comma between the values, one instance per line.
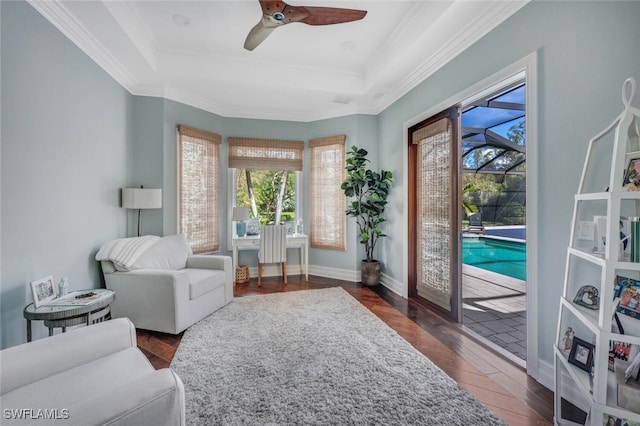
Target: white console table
x=252, y=242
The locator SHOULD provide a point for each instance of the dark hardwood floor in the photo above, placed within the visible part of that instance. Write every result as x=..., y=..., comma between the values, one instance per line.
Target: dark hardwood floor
x=501, y=385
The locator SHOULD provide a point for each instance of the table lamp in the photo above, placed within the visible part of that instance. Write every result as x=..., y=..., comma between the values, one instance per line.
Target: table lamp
x=240, y=215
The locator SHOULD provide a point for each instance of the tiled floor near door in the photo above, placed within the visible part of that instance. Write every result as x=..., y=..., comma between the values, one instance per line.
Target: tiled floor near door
x=495, y=307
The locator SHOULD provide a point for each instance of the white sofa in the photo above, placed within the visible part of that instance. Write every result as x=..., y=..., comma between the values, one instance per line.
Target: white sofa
x=160, y=285
x=94, y=375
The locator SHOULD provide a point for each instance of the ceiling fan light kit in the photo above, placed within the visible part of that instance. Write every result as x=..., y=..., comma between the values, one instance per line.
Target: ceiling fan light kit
x=277, y=13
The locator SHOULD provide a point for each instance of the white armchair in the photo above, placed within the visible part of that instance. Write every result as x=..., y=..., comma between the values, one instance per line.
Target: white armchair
x=164, y=287
x=95, y=375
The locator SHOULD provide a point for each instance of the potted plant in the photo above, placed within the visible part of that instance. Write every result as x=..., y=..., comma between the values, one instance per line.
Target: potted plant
x=368, y=190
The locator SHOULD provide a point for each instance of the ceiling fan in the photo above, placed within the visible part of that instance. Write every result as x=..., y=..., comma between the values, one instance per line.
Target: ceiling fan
x=276, y=13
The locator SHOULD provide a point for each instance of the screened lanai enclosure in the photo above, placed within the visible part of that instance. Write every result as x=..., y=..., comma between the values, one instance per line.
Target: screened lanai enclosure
x=493, y=157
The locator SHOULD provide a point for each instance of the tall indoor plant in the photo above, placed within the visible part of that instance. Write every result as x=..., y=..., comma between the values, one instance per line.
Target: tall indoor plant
x=368, y=190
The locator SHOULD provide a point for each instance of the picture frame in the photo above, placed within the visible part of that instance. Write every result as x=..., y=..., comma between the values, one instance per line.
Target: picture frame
x=628, y=290
x=253, y=226
x=581, y=354
x=289, y=226
x=631, y=179
x=43, y=290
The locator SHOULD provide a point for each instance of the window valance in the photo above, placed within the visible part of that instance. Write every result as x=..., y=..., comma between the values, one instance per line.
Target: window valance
x=266, y=154
x=192, y=132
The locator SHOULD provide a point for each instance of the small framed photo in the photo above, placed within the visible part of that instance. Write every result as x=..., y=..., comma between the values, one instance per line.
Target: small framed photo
x=631, y=180
x=581, y=354
x=253, y=226
x=43, y=290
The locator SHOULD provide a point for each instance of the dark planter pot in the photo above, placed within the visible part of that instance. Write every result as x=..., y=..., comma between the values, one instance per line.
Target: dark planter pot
x=370, y=273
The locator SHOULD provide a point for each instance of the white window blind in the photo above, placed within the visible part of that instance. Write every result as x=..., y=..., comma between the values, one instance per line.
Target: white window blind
x=198, y=188
x=328, y=218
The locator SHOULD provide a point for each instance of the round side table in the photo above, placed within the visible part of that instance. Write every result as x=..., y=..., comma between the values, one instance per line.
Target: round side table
x=65, y=316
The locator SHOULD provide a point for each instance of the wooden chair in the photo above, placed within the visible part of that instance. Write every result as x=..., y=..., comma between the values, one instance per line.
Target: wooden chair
x=273, y=249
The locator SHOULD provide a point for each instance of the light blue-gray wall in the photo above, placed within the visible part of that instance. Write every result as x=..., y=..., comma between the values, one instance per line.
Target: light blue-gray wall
x=585, y=50
x=147, y=162
x=66, y=143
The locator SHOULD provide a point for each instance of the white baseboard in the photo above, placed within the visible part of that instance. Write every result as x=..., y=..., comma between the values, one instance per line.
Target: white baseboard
x=395, y=286
x=546, y=374
x=273, y=270
x=335, y=273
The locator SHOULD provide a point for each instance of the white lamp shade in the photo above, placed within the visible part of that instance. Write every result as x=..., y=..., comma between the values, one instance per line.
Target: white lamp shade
x=240, y=213
x=141, y=198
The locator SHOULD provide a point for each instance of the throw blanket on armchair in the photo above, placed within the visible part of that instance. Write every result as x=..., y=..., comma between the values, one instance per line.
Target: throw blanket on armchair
x=124, y=252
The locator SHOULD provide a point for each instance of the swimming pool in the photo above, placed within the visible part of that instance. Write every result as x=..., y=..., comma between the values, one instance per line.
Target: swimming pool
x=504, y=257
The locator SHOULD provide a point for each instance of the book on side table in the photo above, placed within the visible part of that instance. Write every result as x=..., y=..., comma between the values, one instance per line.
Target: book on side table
x=76, y=298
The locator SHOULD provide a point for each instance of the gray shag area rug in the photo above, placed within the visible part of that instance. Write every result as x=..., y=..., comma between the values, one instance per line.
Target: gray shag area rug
x=313, y=357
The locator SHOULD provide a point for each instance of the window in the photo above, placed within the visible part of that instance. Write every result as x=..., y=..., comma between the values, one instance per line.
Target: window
x=266, y=178
x=198, y=188
x=328, y=218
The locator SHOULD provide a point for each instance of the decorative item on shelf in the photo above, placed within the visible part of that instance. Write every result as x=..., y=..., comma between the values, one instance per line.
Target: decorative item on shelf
x=631, y=180
x=240, y=216
x=43, y=290
x=242, y=274
x=628, y=290
x=581, y=354
x=608, y=420
x=612, y=360
x=601, y=235
x=625, y=237
x=628, y=388
x=635, y=239
x=289, y=225
x=299, y=227
x=141, y=198
x=253, y=226
x=588, y=297
x=63, y=287
x=567, y=340
x=621, y=350
x=616, y=318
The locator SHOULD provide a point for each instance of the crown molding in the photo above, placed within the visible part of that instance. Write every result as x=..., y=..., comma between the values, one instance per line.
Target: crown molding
x=59, y=16
x=484, y=23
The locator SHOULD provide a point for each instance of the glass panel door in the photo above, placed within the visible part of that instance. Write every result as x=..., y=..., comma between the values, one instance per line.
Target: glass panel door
x=435, y=207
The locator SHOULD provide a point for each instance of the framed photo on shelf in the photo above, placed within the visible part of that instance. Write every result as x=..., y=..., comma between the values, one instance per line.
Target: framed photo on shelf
x=631, y=179
x=628, y=290
x=581, y=354
x=43, y=290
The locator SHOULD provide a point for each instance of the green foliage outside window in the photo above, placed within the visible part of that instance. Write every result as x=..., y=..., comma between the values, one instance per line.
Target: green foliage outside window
x=269, y=194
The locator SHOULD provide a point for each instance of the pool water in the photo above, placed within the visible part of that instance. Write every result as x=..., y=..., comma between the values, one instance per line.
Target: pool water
x=501, y=256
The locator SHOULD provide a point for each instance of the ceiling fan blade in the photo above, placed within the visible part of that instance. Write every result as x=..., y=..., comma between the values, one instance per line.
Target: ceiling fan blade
x=331, y=15
x=258, y=34
x=276, y=13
